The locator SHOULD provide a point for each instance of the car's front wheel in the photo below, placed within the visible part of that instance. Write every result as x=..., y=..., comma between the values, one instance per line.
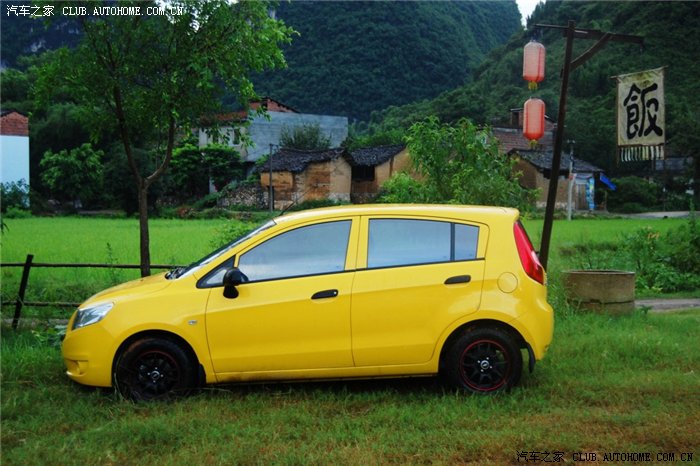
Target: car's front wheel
x=484, y=360
x=154, y=369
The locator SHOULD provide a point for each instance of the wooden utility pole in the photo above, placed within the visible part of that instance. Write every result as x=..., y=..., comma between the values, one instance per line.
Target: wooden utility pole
x=570, y=32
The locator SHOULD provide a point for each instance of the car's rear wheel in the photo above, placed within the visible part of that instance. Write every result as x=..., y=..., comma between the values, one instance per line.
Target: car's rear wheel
x=154, y=369
x=484, y=360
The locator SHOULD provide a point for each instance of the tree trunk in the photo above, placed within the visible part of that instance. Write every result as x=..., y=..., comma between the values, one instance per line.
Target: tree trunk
x=143, y=228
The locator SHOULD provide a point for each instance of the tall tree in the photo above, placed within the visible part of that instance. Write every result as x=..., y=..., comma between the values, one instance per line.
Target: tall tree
x=151, y=76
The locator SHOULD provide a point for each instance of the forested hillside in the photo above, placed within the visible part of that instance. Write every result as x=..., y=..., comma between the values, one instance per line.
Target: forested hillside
x=21, y=35
x=671, y=32
x=351, y=58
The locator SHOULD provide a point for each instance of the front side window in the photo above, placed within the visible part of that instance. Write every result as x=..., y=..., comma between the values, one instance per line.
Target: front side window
x=309, y=250
x=209, y=258
x=396, y=242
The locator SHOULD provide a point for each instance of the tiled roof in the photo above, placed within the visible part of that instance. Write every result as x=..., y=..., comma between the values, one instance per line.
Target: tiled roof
x=13, y=123
x=268, y=103
x=512, y=139
x=373, y=156
x=543, y=161
x=272, y=105
x=296, y=161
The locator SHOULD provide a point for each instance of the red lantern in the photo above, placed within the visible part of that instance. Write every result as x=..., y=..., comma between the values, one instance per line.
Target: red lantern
x=533, y=120
x=533, y=63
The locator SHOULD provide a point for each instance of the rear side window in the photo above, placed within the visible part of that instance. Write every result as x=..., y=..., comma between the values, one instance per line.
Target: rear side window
x=396, y=242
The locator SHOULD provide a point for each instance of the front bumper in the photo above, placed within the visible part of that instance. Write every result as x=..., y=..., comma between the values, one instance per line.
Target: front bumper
x=88, y=354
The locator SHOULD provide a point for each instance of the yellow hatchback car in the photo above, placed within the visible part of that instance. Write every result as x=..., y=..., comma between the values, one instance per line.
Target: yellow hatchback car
x=353, y=291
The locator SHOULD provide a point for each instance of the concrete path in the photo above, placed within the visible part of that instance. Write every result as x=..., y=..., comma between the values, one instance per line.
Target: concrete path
x=676, y=214
x=663, y=304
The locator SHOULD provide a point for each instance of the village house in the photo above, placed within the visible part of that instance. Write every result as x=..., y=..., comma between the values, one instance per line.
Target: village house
x=535, y=164
x=14, y=147
x=299, y=176
x=372, y=166
x=335, y=174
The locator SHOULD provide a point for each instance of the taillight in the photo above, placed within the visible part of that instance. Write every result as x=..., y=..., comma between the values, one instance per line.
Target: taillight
x=528, y=256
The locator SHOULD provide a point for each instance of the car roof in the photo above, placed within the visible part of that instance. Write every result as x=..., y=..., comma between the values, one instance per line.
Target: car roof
x=470, y=212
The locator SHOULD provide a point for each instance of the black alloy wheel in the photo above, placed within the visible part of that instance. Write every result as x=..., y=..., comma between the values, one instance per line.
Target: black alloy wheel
x=154, y=369
x=484, y=360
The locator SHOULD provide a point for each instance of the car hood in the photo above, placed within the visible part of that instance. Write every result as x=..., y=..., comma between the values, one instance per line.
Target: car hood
x=139, y=287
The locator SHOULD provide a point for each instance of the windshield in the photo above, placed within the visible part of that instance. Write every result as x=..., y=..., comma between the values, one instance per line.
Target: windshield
x=211, y=257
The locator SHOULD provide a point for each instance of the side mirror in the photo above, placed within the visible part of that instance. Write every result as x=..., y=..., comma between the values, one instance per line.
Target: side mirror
x=232, y=279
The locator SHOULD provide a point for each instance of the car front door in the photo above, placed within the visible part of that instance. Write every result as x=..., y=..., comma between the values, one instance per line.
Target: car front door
x=294, y=313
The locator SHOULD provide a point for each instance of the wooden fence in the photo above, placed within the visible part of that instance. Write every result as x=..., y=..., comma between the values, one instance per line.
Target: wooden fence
x=29, y=263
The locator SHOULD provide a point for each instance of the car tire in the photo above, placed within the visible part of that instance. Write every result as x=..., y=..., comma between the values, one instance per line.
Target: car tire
x=154, y=369
x=484, y=360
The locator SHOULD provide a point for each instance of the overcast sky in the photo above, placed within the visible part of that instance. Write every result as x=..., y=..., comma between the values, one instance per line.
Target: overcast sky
x=526, y=7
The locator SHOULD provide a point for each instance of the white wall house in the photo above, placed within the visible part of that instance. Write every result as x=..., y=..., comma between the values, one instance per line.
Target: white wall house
x=264, y=131
x=14, y=147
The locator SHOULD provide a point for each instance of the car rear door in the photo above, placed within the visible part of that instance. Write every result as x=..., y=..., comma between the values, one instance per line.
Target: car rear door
x=415, y=276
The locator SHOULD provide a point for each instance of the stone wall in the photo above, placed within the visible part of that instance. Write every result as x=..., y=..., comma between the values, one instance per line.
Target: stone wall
x=245, y=195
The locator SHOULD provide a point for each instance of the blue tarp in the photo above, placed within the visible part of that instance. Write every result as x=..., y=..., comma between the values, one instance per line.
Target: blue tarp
x=605, y=180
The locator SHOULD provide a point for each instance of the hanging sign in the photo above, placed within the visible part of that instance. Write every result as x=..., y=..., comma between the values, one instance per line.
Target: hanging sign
x=641, y=132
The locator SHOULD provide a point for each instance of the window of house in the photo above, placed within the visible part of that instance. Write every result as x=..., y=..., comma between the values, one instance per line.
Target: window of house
x=396, y=242
x=310, y=250
x=363, y=173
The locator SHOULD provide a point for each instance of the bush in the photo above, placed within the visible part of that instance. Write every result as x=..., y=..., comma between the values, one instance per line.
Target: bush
x=16, y=212
x=633, y=195
x=14, y=194
x=683, y=246
x=632, y=208
x=401, y=188
x=666, y=263
x=76, y=174
x=306, y=137
x=206, y=201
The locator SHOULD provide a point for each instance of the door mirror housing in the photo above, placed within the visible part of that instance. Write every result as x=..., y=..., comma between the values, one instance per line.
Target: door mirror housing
x=232, y=278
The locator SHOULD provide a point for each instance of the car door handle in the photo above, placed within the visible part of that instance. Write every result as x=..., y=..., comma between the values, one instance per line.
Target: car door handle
x=325, y=294
x=458, y=279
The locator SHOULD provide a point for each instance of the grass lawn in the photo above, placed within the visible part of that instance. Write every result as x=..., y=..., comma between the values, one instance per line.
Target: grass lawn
x=607, y=385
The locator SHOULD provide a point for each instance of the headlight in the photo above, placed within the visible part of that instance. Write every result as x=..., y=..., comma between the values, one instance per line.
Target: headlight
x=91, y=315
